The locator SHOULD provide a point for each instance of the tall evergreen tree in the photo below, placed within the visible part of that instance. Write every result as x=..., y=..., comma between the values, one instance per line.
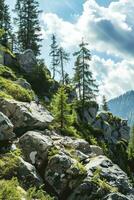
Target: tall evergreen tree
x=77, y=78
x=63, y=57
x=131, y=144
x=54, y=55
x=83, y=76
x=27, y=20
x=5, y=22
x=61, y=110
x=104, y=104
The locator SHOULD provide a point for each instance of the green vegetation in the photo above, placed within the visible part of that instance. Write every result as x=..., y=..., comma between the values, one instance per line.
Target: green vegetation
x=11, y=89
x=40, y=80
x=83, y=77
x=9, y=190
x=102, y=183
x=54, y=55
x=131, y=145
x=61, y=110
x=5, y=96
x=80, y=167
x=28, y=26
x=6, y=72
x=9, y=164
x=104, y=104
x=5, y=22
x=33, y=193
x=52, y=152
x=62, y=58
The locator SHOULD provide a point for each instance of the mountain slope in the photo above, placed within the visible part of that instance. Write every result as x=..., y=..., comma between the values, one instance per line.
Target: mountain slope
x=123, y=106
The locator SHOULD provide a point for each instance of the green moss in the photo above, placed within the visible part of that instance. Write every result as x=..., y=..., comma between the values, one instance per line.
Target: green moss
x=9, y=163
x=6, y=72
x=9, y=190
x=52, y=152
x=80, y=167
x=72, y=153
x=15, y=91
x=5, y=96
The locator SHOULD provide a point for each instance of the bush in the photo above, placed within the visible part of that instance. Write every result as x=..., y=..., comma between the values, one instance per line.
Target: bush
x=9, y=163
x=33, y=193
x=9, y=191
x=11, y=89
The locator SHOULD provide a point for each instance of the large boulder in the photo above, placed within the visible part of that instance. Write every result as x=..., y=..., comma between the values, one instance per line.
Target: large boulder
x=27, y=61
x=88, y=114
x=35, y=147
x=113, y=128
x=28, y=175
x=104, y=180
x=25, y=116
x=6, y=128
x=63, y=174
x=111, y=173
x=116, y=196
x=96, y=150
x=23, y=83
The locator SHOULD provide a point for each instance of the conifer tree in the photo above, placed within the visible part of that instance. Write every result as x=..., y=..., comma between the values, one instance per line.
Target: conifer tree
x=63, y=57
x=131, y=144
x=5, y=22
x=67, y=79
x=28, y=32
x=104, y=104
x=83, y=76
x=77, y=78
x=54, y=55
x=61, y=110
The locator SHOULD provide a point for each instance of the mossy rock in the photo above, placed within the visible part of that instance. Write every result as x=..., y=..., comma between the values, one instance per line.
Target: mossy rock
x=9, y=89
x=6, y=72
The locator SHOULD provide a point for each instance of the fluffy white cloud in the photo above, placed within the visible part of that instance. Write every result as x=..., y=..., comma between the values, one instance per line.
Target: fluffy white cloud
x=114, y=78
x=109, y=30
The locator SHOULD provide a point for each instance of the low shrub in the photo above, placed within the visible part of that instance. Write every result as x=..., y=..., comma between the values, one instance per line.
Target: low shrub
x=33, y=193
x=9, y=163
x=9, y=190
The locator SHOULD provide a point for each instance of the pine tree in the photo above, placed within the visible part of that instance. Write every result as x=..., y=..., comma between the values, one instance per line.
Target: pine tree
x=131, y=144
x=83, y=76
x=28, y=33
x=61, y=110
x=77, y=78
x=54, y=55
x=104, y=104
x=67, y=79
x=5, y=22
x=63, y=57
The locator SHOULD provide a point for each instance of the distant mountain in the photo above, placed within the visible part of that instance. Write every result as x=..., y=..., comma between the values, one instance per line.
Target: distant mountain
x=123, y=106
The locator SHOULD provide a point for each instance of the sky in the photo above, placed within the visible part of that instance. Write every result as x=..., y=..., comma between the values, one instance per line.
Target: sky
x=107, y=26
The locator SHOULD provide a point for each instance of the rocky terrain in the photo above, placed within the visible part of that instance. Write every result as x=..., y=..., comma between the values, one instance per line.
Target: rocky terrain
x=70, y=168
x=65, y=167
